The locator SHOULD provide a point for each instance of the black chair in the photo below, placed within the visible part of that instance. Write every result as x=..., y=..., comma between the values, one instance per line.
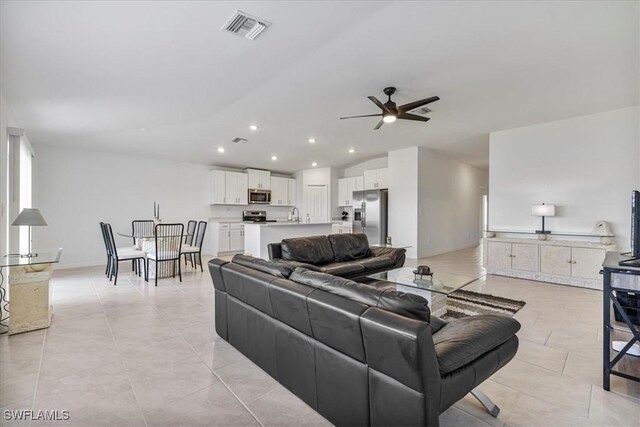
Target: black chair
x=168, y=248
x=122, y=254
x=106, y=247
x=195, y=250
x=140, y=228
x=188, y=240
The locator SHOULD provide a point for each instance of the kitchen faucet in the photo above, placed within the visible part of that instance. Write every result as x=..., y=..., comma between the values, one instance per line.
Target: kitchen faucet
x=295, y=211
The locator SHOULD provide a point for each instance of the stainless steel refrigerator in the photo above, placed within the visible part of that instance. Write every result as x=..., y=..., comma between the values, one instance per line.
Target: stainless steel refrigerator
x=370, y=214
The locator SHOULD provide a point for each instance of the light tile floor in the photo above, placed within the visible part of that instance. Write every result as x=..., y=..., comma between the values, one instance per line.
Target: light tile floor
x=138, y=355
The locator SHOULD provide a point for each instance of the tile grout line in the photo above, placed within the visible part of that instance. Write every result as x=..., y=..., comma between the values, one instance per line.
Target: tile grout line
x=113, y=337
x=197, y=355
x=35, y=388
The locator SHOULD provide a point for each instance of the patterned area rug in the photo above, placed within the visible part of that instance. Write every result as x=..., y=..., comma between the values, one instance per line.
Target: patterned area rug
x=466, y=303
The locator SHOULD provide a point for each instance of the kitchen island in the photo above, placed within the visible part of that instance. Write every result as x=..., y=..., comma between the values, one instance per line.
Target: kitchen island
x=258, y=235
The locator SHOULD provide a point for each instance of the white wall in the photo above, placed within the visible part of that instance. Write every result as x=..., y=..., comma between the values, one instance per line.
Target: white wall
x=434, y=202
x=449, y=203
x=358, y=170
x=403, y=199
x=76, y=189
x=7, y=119
x=586, y=166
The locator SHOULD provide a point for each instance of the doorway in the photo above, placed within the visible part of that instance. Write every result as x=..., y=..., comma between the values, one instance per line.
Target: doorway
x=316, y=203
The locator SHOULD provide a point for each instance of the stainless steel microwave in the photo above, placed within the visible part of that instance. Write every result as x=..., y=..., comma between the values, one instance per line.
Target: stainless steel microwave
x=259, y=197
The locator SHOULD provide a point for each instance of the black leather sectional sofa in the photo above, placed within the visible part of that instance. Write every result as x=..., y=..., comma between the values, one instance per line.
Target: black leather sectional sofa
x=344, y=255
x=359, y=354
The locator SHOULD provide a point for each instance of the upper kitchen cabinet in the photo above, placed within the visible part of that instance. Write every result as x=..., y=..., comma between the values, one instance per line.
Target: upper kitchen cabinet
x=283, y=191
x=376, y=179
x=227, y=188
x=346, y=187
x=279, y=191
x=292, y=184
x=259, y=179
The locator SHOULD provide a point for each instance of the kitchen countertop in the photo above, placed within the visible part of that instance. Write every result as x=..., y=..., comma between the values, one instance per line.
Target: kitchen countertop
x=287, y=223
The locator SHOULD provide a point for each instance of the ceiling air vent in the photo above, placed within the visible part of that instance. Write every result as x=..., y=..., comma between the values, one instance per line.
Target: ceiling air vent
x=238, y=140
x=420, y=111
x=244, y=25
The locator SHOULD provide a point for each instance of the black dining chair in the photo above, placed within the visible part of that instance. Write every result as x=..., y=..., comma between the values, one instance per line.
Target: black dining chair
x=195, y=250
x=106, y=247
x=122, y=254
x=140, y=228
x=188, y=240
x=168, y=248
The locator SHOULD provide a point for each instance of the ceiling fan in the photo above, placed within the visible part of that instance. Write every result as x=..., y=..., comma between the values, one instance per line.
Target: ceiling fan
x=390, y=112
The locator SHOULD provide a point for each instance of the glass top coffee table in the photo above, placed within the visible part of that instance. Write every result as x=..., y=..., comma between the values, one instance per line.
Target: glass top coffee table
x=434, y=289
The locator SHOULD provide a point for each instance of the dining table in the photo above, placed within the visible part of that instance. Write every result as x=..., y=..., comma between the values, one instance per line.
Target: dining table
x=146, y=242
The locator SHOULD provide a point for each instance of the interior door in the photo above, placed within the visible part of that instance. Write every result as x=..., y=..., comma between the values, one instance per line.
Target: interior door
x=316, y=201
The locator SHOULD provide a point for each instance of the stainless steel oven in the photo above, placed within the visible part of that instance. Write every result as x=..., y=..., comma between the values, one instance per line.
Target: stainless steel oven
x=259, y=197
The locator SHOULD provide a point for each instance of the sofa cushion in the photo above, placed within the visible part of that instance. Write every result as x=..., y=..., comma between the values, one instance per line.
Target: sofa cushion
x=348, y=247
x=383, y=296
x=461, y=341
x=377, y=263
x=341, y=269
x=314, y=250
x=275, y=268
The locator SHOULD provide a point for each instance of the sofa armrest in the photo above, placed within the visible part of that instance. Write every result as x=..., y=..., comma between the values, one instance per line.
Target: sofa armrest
x=215, y=266
x=275, y=250
x=461, y=341
x=397, y=254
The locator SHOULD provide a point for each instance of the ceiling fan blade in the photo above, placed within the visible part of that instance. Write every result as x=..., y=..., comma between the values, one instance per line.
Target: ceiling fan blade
x=380, y=123
x=415, y=104
x=408, y=116
x=356, y=117
x=380, y=104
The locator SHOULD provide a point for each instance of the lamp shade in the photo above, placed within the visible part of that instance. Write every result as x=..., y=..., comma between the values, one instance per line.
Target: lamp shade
x=29, y=216
x=543, y=210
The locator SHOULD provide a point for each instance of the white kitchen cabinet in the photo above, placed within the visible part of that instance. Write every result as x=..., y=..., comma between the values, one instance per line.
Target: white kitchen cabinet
x=217, y=182
x=236, y=188
x=227, y=188
x=516, y=256
x=344, y=227
x=346, y=187
x=376, y=179
x=279, y=191
x=283, y=191
x=259, y=179
x=292, y=193
x=227, y=237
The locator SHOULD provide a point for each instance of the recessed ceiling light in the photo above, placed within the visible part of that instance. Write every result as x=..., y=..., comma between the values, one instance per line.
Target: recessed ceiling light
x=220, y=149
x=351, y=151
x=274, y=158
x=314, y=164
x=312, y=140
x=253, y=127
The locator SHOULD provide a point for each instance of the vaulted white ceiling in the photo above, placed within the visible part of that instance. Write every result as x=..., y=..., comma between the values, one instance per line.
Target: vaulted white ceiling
x=92, y=74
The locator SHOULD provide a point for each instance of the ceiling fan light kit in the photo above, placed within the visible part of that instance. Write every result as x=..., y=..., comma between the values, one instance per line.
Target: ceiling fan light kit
x=391, y=112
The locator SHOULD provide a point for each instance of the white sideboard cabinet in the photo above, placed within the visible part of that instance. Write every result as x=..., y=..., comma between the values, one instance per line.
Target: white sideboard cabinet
x=567, y=262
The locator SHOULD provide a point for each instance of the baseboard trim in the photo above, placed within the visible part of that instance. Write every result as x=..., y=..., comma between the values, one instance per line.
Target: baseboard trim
x=445, y=251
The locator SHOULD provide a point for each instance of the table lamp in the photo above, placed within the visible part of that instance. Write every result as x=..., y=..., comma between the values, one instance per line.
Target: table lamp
x=543, y=211
x=30, y=217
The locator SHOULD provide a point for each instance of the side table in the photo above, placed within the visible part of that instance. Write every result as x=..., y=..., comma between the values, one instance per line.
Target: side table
x=29, y=306
x=629, y=283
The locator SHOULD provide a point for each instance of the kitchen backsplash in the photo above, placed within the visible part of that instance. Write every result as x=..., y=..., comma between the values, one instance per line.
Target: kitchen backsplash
x=235, y=212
